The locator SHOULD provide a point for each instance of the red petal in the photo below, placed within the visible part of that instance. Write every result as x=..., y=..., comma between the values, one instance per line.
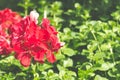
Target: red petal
x=52, y=30
x=50, y=57
x=43, y=46
x=39, y=56
x=19, y=52
x=43, y=35
x=45, y=23
x=25, y=60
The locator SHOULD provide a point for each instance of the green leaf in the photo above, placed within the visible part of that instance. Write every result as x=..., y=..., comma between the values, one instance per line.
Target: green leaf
x=68, y=51
x=21, y=74
x=98, y=77
x=106, y=66
x=44, y=67
x=68, y=63
x=67, y=30
x=105, y=47
x=99, y=55
x=77, y=5
x=60, y=56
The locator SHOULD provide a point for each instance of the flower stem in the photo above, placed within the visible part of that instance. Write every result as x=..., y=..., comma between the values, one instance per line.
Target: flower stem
x=45, y=14
x=96, y=40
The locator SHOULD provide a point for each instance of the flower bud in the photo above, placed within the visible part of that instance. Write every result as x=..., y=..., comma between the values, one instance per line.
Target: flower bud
x=34, y=16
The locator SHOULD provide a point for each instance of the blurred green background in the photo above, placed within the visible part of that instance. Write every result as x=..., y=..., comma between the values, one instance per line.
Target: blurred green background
x=91, y=31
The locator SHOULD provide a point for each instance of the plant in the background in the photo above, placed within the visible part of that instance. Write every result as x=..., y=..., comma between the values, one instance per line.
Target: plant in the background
x=90, y=30
x=25, y=4
x=93, y=44
x=27, y=39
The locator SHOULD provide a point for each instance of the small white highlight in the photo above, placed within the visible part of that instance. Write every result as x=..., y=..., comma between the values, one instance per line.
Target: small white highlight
x=45, y=14
x=34, y=16
x=62, y=43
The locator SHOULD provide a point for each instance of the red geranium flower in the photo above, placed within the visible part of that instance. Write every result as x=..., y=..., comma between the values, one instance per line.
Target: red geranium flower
x=7, y=19
x=27, y=39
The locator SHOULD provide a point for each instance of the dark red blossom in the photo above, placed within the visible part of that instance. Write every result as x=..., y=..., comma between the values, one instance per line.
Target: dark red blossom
x=7, y=19
x=46, y=25
x=28, y=40
x=25, y=60
x=36, y=41
x=53, y=42
x=50, y=56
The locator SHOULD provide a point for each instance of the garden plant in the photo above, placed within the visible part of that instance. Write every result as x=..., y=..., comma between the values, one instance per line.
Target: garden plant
x=59, y=39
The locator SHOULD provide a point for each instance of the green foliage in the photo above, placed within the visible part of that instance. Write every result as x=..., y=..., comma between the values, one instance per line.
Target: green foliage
x=91, y=32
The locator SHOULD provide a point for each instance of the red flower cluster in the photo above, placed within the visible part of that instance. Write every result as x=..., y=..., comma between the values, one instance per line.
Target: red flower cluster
x=7, y=19
x=28, y=40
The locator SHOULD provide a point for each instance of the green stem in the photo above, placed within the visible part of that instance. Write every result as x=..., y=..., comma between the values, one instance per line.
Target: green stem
x=54, y=18
x=111, y=51
x=45, y=14
x=96, y=40
x=26, y=6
